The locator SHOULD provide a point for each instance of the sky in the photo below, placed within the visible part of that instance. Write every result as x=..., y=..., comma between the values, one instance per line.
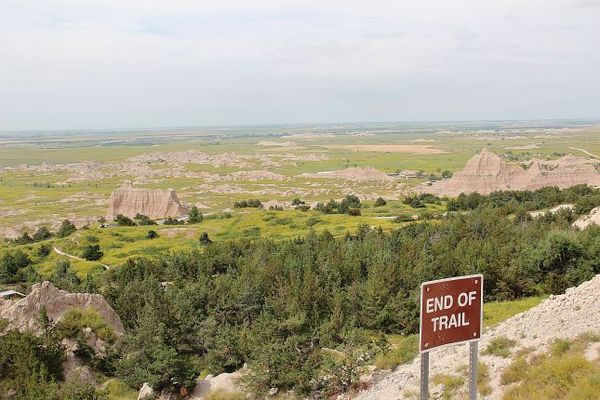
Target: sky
x=103, y=64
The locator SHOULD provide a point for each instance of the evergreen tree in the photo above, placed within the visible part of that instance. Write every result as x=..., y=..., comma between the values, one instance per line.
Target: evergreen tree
x=66, y=228
x=195, y=216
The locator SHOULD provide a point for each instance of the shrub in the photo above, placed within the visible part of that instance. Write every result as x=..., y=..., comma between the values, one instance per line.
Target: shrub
x=403, y=218
x=63, y=277
x=380, y=202
x=514, y=372
x=558, y=378
x=195, y=216
x=403, y=352
x=75, y=320
x=500, y=346
x=11, y=263
x=122, y=220
x=251, y=203
x=353, y=212
x=43, y=250
x=25, y=238
x=143, y=220
x=172, y=221
x=42, y=233
x=560, y=346
x=92, y=252
x=204, y=239
x=66, y=228
x=151, y=234
x=312, y=221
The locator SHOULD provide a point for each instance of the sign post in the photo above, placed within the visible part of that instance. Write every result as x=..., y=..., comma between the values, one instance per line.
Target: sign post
x=451, y=313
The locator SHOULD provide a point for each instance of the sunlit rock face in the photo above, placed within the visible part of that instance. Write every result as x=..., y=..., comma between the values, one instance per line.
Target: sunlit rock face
x=155, y=204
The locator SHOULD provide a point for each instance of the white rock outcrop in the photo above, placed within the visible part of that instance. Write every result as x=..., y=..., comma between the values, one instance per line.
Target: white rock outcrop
x=593, y=218
x=146, y=392
x=23, y=314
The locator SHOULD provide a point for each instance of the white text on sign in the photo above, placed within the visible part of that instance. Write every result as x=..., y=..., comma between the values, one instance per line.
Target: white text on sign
x=441, y=303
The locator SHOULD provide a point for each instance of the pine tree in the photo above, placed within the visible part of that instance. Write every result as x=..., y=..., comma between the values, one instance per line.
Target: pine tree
x=195, y=216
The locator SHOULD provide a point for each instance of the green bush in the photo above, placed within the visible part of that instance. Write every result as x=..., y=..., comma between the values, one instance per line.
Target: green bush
x=560, y=346
x=194, y=216
x=558, y=378
x=92, y=252
x=123, y=220
x=401, y=353
x=75, y=320
x=380, y=202
x=66, y=229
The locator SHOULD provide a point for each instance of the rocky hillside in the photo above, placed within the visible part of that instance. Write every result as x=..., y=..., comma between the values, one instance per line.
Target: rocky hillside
x=486, y=172
x=23, y=314
x=565, y=316
x=592, y=218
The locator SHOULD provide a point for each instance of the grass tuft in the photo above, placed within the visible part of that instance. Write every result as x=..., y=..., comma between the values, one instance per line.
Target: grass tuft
x=451, y=383
x=223, y=395
x=500, y=346
x=514, y=372
x=404, y=350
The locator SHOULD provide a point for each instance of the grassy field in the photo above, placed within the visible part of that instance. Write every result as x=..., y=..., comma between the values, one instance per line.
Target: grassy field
x=119, y=243
x=44, y=179
x=47, y=178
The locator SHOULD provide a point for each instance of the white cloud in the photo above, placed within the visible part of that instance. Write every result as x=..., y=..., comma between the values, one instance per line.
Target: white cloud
x=112, y=63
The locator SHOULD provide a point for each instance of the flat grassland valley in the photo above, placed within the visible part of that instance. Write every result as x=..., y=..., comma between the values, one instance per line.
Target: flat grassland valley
x=285, y=261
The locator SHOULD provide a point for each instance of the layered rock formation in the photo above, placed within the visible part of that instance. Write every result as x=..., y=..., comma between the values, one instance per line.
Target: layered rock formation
x=24, y=314
x=155, y=204
x=486, y=172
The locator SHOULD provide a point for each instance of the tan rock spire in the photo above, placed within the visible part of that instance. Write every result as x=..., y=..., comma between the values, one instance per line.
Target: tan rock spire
x=155, y=204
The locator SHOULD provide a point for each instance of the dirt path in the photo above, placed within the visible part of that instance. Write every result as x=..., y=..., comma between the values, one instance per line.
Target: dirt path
x=62, y=253
x=585, y=151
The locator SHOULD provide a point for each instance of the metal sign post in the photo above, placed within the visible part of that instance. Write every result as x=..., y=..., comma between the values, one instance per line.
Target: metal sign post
x=473, y=347
x=425, y=376
x=451, y=313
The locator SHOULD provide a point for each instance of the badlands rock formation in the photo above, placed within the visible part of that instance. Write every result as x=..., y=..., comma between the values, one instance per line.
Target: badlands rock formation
x=155, y=204
x=23, y=314
x=486, y=172
x=352, y=174
x=565, y=316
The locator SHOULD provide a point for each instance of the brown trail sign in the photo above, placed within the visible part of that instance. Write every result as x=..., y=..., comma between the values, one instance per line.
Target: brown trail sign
x=451, y=313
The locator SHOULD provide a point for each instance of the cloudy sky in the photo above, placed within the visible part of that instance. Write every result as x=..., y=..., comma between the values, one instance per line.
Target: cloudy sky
x=68, y=64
